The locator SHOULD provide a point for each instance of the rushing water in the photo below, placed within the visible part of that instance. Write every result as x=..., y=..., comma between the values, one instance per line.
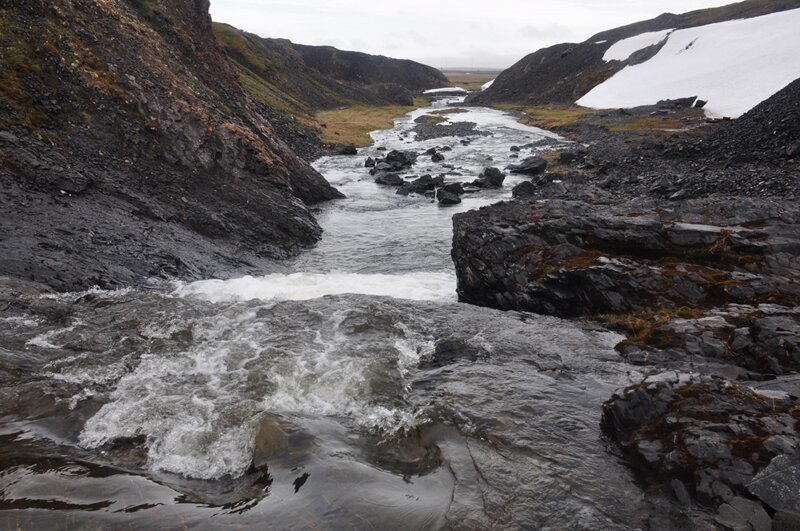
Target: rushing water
x=353, y=391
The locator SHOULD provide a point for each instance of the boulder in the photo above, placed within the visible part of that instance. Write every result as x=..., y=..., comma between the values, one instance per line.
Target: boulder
x=437, y=157
x=447, y=198
x=743, y=514
x=530, y=166
x=369, y=163
x=424, y=184
x=778, y=485
x=389, y=179
x=395, y=161
x=454, y=188
x=346, y=149
x=490, y=178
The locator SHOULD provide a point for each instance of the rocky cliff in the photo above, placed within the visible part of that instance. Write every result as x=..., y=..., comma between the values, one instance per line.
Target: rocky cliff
x=129, y=149
x=292, y=82
x=563, y=73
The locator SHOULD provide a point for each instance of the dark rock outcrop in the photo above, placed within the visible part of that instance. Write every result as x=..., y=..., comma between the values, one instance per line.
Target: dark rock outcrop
x=394, y=161
x=447, y=198
x=769, y=132
x=139, y=157
x=290, y=81
x=718, y=440
x=529, y=166
x=490, y=178
x=421, y=186
x=572, y=258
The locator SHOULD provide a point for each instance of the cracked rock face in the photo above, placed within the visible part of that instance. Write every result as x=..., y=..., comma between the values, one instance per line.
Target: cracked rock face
x=118, y=166
x=570, y=258
x=721, y=440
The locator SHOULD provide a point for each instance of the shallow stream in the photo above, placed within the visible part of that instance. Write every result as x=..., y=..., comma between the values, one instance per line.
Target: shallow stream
x=353, y=391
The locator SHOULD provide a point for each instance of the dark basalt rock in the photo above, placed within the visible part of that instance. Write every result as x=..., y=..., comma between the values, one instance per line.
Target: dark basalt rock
x=346, y=149
x=447, y=198
x=395, y=161
x=490, y=178
x=424, y=184
x=778, y=487
x=369, y=163
x=178, y=176
x=571, y=258
x=437, y=157
x=712, y=434
x=529, y=166
x=389, y=179
x=454, y=188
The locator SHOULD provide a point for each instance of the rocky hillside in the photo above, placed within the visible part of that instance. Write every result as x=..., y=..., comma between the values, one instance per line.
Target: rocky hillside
x=564, y=73
x=365, y=69
x=129, y=149
x=292, y=82
x=769, y=132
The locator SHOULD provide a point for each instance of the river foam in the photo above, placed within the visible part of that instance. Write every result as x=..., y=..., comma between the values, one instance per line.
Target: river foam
x=423, y=286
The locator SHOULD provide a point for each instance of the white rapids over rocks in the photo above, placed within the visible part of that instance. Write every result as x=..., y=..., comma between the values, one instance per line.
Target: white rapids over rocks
x=376, y=243
x=349, y=390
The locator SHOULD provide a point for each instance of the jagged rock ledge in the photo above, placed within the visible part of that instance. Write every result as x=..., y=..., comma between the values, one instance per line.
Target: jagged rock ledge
x=706, y=289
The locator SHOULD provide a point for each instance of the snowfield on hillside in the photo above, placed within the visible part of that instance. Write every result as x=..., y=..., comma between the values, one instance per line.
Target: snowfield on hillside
x=623, y=49
x=732, y=65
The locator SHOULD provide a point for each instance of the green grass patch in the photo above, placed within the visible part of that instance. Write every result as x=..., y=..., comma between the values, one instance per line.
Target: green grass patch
x=352, y=125
x=429, y=119
x=549, y=117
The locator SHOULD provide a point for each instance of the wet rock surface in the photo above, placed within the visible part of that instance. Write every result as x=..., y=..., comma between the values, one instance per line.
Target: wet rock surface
x=572, y=258
x=139, y=164
x=704, y=288
x=426, y=131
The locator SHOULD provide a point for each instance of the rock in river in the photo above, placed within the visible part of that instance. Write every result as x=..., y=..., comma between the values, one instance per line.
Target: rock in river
x=530, y=166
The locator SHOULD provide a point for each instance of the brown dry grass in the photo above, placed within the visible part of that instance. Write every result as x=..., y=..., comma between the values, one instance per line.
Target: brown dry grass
x=352, y=125
x=549, y=117
x=470, y=81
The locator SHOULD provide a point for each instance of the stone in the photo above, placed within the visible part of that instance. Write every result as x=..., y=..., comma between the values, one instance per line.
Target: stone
x=778, y=485
x=454, y=188
x=681, y=492
x=346, y=149
x=447, y=198
x=530, y=166
x=741, y=514
x=490, y=178
x=525, y=189
x=389, y=179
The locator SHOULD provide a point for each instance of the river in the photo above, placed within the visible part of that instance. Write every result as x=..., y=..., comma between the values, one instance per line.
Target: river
x=350, y=391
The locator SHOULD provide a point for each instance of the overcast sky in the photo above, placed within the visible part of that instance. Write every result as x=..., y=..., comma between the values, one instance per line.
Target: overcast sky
x=442, y=33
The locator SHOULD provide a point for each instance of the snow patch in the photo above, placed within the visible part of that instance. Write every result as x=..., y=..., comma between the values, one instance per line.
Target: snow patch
x=487, y=85
x=732, y=65
x=446, y=90
x=622, y=50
